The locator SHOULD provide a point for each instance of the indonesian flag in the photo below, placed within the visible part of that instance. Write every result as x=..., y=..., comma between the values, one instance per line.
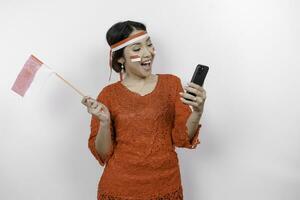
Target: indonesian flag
x=135, y=58
x=32, y=76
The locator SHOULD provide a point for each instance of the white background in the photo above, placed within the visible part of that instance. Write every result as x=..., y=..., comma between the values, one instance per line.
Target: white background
x=250, y=126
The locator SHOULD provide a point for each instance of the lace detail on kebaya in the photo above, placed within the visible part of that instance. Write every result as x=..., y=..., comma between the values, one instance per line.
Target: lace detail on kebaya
x=175, y=195
x=145, y=131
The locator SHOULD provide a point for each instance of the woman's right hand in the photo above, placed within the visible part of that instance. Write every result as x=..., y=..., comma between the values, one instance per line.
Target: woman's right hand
x=96, y=108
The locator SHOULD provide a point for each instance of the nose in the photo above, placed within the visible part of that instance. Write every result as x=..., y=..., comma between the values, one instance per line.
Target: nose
x=147, y=53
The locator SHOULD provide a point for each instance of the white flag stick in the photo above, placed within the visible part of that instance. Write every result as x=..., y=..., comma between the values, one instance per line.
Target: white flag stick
x=59, y=76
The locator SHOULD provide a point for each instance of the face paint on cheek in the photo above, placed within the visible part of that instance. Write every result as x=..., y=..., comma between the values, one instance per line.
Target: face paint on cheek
x=135, y=58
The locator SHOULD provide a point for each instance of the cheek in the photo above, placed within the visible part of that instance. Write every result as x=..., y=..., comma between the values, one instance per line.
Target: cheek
x=133, y=62
x=135, y=58
x=152, y=50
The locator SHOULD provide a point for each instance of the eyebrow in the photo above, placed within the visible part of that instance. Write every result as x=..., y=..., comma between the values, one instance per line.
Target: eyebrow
x=139, y=42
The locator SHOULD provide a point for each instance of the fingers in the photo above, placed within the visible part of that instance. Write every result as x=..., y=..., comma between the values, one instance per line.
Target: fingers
x=192, y=103
x=196, y=89
x=89, y=102
x=197, y=100
x=187, y=96
x=84, y=100
x=192, y=90
x=97, y=112
x=196, y=86
x=95, y=107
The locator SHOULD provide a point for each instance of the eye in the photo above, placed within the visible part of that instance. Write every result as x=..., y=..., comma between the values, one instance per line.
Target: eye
x=136, y=49
x=150, y=45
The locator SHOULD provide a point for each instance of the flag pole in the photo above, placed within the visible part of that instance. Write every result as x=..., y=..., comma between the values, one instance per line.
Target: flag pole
x=59, y=76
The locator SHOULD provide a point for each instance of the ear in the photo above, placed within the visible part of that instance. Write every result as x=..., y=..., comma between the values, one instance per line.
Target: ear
x=121, y=60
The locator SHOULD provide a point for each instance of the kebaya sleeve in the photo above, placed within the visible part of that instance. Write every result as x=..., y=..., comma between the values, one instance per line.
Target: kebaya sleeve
x=95, y=124
x=180, y=137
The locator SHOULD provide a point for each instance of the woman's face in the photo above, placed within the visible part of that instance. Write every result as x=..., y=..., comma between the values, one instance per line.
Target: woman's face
x=145, y=50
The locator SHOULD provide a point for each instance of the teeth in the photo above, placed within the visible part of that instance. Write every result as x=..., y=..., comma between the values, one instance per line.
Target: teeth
x=146, y=66
x=148, y=62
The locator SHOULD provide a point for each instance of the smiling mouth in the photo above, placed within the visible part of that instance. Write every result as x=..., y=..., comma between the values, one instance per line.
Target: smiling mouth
x=146, y=66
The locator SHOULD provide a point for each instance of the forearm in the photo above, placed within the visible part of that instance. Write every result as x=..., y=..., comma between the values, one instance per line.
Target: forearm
x=192, y=123
x=103, y=141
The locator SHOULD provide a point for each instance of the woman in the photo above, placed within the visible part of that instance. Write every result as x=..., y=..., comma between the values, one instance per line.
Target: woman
x=138, y=121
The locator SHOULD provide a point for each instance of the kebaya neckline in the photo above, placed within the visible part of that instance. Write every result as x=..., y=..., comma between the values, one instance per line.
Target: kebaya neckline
x=137, y=94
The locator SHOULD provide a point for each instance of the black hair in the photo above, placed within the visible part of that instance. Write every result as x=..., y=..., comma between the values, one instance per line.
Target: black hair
x=118, y=32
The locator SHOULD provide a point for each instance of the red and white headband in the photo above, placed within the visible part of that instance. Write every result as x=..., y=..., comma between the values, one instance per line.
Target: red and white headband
x=123, y=43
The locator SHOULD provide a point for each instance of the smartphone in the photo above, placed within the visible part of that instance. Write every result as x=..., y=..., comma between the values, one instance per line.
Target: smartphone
x=199, y=76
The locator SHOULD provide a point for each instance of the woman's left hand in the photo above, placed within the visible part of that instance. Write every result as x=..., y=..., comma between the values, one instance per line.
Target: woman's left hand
x=196, y=101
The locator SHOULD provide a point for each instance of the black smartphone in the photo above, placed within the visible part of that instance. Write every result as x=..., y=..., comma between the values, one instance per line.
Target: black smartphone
x=199, y=76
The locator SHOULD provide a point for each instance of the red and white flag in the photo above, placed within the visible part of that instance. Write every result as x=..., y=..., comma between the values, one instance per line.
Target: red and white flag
x=135, y=58
x=32, y=76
